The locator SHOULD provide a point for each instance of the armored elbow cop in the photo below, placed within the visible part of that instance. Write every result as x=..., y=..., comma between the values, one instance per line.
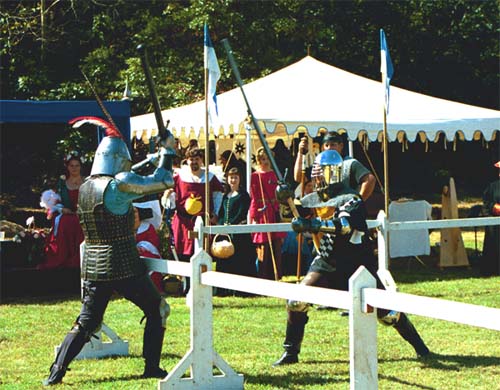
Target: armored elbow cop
x=334, y=225
x=133, y=183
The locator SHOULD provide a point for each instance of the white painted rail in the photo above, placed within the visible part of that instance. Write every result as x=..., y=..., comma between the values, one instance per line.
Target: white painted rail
x=361, y=298
x=441, y=309
x=316, y=295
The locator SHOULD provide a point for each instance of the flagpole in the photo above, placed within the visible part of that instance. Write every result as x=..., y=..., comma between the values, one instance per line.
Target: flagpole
x=386, y=163
x=387, y=70
x=207, y=159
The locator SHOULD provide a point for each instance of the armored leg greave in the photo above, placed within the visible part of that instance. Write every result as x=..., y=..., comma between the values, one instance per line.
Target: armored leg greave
x=70, y=347
x=151, y=349
x=407, y=331
x=295, y=328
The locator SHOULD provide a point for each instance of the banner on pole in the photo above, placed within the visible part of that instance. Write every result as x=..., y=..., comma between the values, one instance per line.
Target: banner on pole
x=386, y=68
x=212, y=66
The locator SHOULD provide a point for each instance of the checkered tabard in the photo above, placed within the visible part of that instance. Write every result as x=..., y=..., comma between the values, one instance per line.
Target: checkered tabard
x=326, y=245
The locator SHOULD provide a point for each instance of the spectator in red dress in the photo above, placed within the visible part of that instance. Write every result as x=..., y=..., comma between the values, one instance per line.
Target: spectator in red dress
x=264, y=209
x=62, y=248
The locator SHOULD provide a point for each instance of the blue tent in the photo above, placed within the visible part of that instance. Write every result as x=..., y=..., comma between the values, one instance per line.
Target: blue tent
x=61, y=111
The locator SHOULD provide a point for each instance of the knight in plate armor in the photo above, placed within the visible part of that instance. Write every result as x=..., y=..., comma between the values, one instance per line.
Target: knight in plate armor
x=110, y=260
x=344, y=246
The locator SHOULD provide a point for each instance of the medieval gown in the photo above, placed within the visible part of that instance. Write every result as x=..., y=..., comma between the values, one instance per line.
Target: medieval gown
x=190, y=203
x=264, y=209
x=233, y=211
x=62, y=246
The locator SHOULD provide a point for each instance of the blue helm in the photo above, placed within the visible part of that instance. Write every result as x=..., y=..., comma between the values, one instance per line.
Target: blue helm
x=327, y=173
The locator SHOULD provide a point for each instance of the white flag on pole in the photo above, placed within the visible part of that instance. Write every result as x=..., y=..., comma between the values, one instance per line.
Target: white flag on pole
x=386, y=68
x=212, y=66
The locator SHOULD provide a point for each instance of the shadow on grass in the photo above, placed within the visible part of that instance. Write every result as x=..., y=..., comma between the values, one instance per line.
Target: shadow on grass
x=443, y=363
x=285, y=379
x=457, y=362
x=440, y=361
x=42, y=299
x=118, y=379
x=164, y=355
x=409, y=385
x=291, y=380
x=434, y=360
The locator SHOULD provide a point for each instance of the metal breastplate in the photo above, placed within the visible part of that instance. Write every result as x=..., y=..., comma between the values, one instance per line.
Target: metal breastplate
x=110, y=249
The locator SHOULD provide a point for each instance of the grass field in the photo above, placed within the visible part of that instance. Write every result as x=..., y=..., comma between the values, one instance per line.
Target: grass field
x=248, y=333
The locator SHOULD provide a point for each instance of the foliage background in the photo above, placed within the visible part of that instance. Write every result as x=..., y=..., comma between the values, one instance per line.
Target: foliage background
x=443, y=48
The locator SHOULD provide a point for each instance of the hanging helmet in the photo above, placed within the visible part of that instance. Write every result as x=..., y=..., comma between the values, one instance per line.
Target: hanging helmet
x=112, y=155
x=327, y=174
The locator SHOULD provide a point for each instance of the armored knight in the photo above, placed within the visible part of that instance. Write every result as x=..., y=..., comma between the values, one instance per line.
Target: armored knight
x=344, y=246
x=110, y=259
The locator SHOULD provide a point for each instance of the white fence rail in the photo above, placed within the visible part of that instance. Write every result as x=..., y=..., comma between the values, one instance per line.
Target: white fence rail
x=361, y=298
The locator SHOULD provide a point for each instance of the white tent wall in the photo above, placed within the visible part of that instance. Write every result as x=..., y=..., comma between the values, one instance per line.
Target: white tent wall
x=311, y=95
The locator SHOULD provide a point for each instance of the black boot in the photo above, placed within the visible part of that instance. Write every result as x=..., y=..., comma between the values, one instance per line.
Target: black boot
x=56, y=375
x=154, y=372
x=407, y=331
x=151, y=351
x=294, y=334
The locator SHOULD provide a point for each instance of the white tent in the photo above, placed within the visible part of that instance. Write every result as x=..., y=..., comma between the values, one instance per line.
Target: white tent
x=311, y=95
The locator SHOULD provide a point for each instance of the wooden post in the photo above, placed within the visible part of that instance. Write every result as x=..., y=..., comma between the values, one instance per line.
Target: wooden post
x=362, y=334
x=452, y=252
x=201, y=358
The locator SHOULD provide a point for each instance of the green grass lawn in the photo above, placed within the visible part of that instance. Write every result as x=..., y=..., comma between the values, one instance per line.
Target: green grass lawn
x=248, y=333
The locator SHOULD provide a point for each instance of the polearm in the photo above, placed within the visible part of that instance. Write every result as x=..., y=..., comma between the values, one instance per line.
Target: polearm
x=99, y=101
x=256, y=126
x=163, y=132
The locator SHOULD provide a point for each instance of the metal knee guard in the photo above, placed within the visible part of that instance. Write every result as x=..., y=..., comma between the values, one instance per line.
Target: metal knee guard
x=297, y=306
x=390, y=319
x=164, y=312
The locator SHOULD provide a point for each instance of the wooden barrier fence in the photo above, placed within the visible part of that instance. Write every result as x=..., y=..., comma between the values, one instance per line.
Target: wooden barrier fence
x=360, y=300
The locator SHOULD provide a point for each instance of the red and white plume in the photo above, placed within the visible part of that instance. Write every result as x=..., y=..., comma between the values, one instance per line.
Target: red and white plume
x=111, y=130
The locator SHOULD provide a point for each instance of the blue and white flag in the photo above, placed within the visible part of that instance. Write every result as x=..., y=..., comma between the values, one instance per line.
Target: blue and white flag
x=385, y=68
x=213, y=69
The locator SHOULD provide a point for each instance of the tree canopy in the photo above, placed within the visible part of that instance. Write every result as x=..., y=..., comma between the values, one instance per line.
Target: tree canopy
x=444, y=48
